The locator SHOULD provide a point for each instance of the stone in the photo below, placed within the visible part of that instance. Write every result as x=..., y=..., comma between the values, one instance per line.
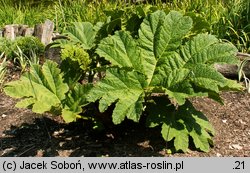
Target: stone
x=28, y=32
x=22, y=29
x=9, y=32
x=44, y=31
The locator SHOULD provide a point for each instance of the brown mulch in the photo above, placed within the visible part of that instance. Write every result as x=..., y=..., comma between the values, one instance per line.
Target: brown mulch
x=23, y=133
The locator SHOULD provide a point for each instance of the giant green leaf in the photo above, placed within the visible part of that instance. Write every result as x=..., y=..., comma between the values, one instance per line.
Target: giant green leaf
x=194, y=65
x=123, y=88
x=121, y=50
x=75, y=100
x=179, y=125
x=82, y=33
x=41, y=88
x=207, y=49
x=159, y=35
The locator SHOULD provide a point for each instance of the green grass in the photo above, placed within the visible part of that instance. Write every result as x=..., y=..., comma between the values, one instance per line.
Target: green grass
x=16, y=13
x=235, y=24
x=228, y=19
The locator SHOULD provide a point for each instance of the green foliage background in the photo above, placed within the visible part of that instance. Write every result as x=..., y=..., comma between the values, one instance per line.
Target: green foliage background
x=228, y=19
x=29, y=45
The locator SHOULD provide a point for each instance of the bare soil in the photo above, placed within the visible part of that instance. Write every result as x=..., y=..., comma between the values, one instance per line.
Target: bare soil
x=23, y=133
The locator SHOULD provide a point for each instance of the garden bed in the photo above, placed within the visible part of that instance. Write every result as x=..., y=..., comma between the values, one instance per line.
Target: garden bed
x=24, y=133
x=151, y=70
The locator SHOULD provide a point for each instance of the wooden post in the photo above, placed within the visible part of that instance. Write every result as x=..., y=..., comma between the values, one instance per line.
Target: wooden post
x=44, y=31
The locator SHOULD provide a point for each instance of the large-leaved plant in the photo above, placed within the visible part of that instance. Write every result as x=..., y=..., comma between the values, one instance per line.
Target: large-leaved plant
x=153, y=73
x=43, y=90
x=158, y=72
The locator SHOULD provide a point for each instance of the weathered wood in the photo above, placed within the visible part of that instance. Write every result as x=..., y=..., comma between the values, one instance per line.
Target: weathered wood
x=44, y=31
x=242, y=56
x=231, y=71
x=9, y=32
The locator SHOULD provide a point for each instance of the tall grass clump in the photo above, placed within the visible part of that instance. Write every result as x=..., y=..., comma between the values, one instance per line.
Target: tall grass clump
x=67, y=12
x=235, y=24
x=13, y=12
x=228, y=19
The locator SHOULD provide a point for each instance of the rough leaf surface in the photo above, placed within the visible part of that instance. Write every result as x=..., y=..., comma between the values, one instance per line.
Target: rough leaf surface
x=123, y=88
x=40, y=89
x=75, y=100
x=82, y=33
x=179, y=124
x=158, y=60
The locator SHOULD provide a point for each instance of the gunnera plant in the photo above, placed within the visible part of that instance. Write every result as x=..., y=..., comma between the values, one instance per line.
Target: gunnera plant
x=152, y=75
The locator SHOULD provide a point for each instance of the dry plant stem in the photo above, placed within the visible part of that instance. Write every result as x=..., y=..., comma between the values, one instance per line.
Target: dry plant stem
x=19, y=155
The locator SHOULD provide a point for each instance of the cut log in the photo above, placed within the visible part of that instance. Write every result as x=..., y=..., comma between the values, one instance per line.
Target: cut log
x=44, y=31
x=231, y=71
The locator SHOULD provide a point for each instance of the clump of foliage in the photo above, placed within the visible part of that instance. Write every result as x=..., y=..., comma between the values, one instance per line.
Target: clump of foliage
x=22, y=50
x=44, y=90
x=159, y=64
x=5, y=46
x=13, y=12
x=28, y=45
x=151, y=72
x=76, y=54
